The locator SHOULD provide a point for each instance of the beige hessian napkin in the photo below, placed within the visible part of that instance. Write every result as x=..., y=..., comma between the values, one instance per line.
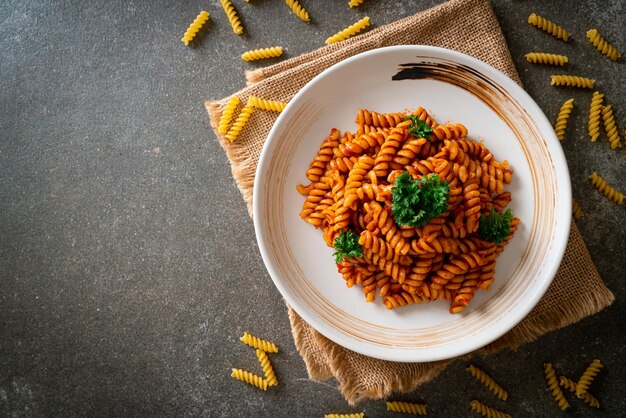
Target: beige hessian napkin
x=467, y=26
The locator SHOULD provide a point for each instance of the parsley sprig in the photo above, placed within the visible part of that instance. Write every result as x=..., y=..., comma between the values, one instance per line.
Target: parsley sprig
x=347, y=246
x=419, y=128
x=496, y=226
x=415, y=202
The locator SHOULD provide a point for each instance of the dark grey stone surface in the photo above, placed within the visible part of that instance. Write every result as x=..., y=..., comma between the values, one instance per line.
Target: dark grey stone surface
x=128, y=264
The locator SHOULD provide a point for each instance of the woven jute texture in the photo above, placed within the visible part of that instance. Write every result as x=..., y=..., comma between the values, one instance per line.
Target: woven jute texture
x=467, y=26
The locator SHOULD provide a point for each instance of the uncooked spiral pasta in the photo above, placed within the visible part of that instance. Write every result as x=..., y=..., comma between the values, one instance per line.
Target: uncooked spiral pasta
x=606, y=189
x=545, y=58
x=572, y=81
x=548, y=26
x=250, y=378
x=264, y=104
x=232, y=16
x=349, y=31
x=553, y=385
x=268, y=370
x=240, y=122
x=255, y=342
x=577, y=211
x=407, y=407
x=298, y=10
x=587, y=377
x=227, y=114
x=195, y=26
x=356, y=415
x=562, y=118
x=610, y=127
x=602, y=45
x=488, y=381
x=570, y=385
x=262, y=53
x=355, y=3
x=486, y=411
x=595, y=110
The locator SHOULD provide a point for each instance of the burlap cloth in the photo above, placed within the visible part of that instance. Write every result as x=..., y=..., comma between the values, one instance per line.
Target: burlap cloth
x=468, y=26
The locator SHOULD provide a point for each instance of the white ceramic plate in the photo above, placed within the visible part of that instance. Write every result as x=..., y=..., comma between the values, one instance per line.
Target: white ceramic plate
x=451, y=87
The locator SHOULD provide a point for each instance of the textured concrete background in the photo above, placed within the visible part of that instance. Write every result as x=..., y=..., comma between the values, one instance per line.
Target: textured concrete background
x=128, y=264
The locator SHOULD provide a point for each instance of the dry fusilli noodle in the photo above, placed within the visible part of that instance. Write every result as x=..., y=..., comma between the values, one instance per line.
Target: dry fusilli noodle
x=610, y=127
x=553, y=385
x=562, y=118
x=572, y=81
x=263, y=104
x=486, y=411
x=355, y=3
x=407, y=407
x=195, y=26
x=250, y=378
x=298, y=10
x=349, y=31
x=262, y=53
x=240, y=122
x=585, y=380
x=545, y=58
x=268, y=371
x=488, y=381
x=595, y=110
x=227, y=114
x=255, y=342
x=548, y=26
x=602, y=45
x=356, y=415
x=233, y=18
x=605, y=189
x=570, y=385
x=577, y=211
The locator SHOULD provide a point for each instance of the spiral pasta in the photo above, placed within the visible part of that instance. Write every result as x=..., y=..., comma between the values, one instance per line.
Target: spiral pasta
x=227, y=114
x=255, y=342
x=250, y=378
x=595, y=110
x=553, y=385
x=356, y=415
x=355, y=3
x=488, y=381
x=602, y=45
x=577, y=211
x=572, y=81
x=195, y=26
x=298, y=10
x=606, y=189
x=610, y=127
x=262, y=53
x=587, y=377
x=548, y=26
x=486, y=411
x=407, y=407
x=545, y=58
x=268, y=370
x=350, y=31
x=562, y=118
x=263, y=104
x=240, y=122
x=570, y=385
x=233, y=18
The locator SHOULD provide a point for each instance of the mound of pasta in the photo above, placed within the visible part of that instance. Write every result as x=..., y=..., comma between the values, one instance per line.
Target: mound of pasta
x=415, y=210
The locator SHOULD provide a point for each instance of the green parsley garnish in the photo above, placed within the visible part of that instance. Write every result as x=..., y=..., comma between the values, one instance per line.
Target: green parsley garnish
x=419, y=128
x=347, y=246
x=496, y=226
x=415, y=202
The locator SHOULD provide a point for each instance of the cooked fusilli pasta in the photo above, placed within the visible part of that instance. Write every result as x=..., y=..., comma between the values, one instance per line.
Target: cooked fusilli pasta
x=602, y=45
x=355, y=3
x=548, y=26
x=605, y=189
x=587, y=377
x=553, y=385
x=250, y=378
x=577, y=211
x=262, y=53
x=298, y=10
x=233, y=18
x=545, y=58
x=255, y=342
x=486, y=411
x=570, y=385
x=610, y=127
x=407, y=407
x=562, y=118
x=263, y=104
x=227, y=114
x=595, y=110
x=572, y=81
x=195, y=26
x=488, y=381
x=350, y=31
x=268, y=371
x=240, y=122
x=356, y=415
